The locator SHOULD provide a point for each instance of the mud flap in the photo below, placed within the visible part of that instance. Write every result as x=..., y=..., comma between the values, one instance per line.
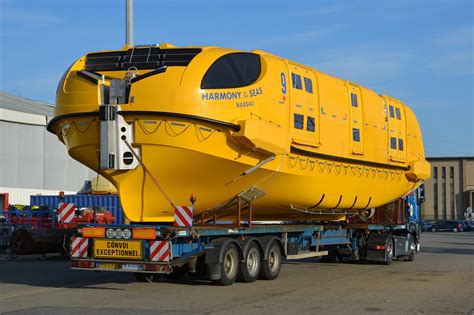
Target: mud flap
x=376, y=247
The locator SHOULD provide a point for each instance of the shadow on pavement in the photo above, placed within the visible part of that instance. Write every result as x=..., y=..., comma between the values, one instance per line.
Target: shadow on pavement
x=457, y=251
x=456, y=243
x=53, y=272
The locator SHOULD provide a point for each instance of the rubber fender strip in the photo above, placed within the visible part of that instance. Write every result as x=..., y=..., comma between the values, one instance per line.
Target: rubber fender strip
x=346, y=160
x=60, y=117
x=180, y=115
x=162, y=114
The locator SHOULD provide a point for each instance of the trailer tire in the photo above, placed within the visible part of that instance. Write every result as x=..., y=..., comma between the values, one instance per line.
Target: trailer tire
x=271, y=266
x=249, y=268
x=229, y=266
x=146, y=277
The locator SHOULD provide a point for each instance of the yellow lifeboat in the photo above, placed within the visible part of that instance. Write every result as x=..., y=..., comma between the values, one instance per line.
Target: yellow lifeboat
x=164, y=122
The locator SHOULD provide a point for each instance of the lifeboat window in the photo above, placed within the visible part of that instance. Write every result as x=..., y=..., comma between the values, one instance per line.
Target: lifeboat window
x=310, y=124
x=356, y=134
x=397, y=112
x=400, y=144
x=354, y=100
x=308, y=85
x=298, y=121
x=393, y=143
x=296, y=81
x=392, y=114
x=232, y=71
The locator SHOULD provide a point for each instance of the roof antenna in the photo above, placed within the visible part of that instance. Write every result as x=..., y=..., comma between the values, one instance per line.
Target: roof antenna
x=129, y=23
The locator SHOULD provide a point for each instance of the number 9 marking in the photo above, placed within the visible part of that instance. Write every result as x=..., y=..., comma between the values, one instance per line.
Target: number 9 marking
x=283, y=83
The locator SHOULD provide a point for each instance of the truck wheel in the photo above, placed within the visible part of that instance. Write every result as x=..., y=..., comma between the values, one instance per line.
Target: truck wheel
x=249, y=269
x=146, y=277
x=229, y=265
x=388, y=251
x=271, y=266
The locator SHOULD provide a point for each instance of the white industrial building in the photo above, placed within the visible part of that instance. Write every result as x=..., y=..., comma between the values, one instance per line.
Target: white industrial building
x=32, y=160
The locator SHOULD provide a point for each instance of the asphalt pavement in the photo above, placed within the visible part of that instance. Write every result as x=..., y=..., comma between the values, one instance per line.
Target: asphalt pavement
x=439, y=281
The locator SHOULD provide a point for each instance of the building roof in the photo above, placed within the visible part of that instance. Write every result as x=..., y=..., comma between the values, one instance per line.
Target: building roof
x=449, y=158
x=19, y=104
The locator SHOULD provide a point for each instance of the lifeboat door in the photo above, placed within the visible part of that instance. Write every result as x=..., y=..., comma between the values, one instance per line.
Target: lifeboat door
x=304, y=113
x=356, y=119
x=396, y=129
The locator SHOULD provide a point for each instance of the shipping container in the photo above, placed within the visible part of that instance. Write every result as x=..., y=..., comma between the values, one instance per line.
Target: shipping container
x=109, y=202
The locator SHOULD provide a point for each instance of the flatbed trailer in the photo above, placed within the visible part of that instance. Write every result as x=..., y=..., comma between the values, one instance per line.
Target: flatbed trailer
x=224, y=253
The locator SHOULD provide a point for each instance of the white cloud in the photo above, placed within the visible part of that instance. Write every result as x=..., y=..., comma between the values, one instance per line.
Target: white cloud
x=300, y=37
x=454, y=53
x=23, y=18
x=455, y=63
x=367, y=65
x=456, y=37
x=326, y=10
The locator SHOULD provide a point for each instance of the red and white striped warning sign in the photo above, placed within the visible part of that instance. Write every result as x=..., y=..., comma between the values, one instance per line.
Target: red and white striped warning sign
x=160, y=251
x=66, y=212
x=79, y=247
x=183, y=216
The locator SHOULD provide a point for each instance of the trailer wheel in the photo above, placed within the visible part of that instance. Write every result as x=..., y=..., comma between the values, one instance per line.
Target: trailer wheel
x=146, y=277
x=229, y=266
x=249, y=269
x=271, y=266
x=389, y=254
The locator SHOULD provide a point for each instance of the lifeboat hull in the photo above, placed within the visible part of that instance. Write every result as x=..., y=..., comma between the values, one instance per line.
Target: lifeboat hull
x=187, y=157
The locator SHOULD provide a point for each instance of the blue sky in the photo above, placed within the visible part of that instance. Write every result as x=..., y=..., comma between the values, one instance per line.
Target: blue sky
x=418, y=51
